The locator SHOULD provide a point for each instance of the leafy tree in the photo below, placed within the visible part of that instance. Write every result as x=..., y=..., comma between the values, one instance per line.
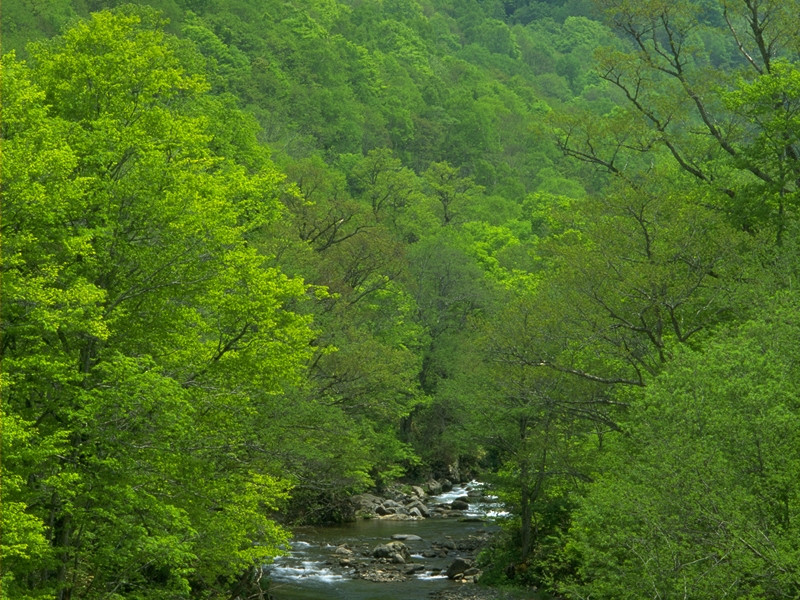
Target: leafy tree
x=678, y=103
x=134, y=312
x=700, y=499
x=452, y=190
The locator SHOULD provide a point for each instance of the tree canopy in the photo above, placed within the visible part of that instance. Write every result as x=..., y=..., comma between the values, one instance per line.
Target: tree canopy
x=258, y=257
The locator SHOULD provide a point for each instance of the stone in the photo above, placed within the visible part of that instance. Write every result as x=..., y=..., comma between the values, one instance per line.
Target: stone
x=414, y=512
x=390, y=549
x=459, y=505
x=447, y=485
x=398, y=559
x=381, y=510
x=367, y=501
x=418, y=491
x=471, y=571
x=343, y=550
x=424, y=510
x=457, y=567
x=411, y=569
x=433, y=487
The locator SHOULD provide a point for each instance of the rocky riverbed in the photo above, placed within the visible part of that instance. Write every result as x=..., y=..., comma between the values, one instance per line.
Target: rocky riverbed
x=433, y=500
x=408, y=544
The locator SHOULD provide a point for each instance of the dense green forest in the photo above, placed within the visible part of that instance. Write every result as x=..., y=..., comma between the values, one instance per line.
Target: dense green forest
x=261, y=255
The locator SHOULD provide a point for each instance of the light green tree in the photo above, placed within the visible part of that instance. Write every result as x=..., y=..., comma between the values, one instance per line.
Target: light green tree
x=144, y=340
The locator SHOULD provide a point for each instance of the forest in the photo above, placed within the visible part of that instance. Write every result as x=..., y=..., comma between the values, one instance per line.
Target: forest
x=259, y=256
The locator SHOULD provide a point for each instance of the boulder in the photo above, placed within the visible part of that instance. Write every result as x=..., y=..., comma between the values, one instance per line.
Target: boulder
x=424, y=510
x=343, y=550
x=433, y=487
x=447, y=485
x=411, y=569
x=381, y=510
x=459, y=505
x=414, y=512
x=390, y=549
x=419, y=506
x=367, y=501
x=418, y=491
x=457, y=567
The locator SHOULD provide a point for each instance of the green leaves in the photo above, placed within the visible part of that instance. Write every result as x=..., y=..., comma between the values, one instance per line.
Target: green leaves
x=701, y=499
x=141, y=330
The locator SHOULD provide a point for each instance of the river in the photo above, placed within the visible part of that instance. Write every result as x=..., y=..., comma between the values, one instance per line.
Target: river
x=311, y=573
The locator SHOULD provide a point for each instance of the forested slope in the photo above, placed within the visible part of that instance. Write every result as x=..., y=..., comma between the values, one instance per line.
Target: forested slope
x=260, y=256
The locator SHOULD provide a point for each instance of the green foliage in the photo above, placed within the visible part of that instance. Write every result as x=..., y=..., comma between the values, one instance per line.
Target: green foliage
x=195, y=337
x=133, y=312
x=700, y=499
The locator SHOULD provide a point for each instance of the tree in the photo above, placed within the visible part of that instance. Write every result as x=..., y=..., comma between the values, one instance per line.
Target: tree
x=452, y=191
x=680, y=107
x=700, y=499
x=144, y=339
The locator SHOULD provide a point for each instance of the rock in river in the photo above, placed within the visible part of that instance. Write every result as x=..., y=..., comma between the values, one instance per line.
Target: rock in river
x=433, y=487
x=457, y=567
x=390, y=549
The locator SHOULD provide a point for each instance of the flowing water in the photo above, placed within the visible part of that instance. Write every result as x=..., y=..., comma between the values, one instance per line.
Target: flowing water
x=311, y=573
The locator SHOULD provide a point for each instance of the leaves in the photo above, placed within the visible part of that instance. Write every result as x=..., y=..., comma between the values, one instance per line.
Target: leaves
x=702, y=494
x=135, y=310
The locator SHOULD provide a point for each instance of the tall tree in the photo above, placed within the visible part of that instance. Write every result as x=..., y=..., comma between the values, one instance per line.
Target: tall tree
x=144, y=340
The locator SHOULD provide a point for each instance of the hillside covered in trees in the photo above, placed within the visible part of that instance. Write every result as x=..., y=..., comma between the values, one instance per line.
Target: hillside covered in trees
x=261, y=255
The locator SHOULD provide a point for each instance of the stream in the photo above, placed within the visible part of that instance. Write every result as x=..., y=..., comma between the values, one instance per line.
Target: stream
x=312, y=572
